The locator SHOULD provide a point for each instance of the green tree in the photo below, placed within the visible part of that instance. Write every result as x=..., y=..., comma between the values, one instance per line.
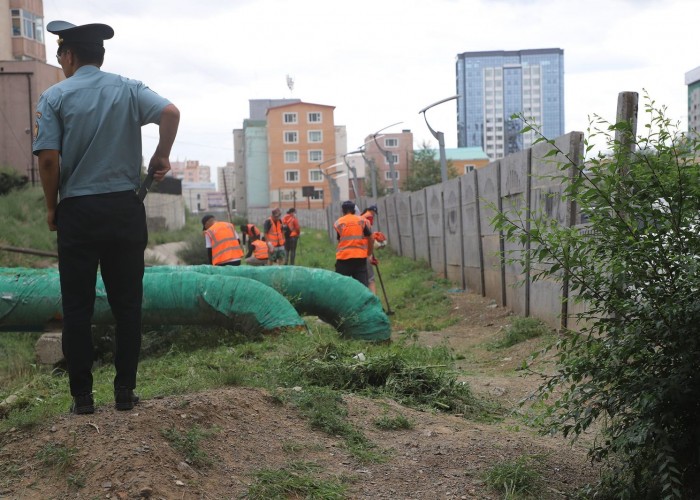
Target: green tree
x=425, y=169
x=631, y=363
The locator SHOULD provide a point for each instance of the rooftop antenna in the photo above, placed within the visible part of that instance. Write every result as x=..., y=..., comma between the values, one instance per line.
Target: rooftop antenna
x=290, y=83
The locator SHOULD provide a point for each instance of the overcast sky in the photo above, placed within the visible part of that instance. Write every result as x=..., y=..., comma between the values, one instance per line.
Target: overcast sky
x=378, y=61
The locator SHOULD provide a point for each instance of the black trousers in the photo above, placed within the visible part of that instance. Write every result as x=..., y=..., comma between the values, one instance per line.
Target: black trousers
x=290, y=246
x=108, y=230
x=355, y=268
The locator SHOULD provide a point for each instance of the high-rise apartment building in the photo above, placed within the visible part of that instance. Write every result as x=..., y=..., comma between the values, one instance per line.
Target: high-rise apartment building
x=692, y=80
x=24, y=75
x=495, y=85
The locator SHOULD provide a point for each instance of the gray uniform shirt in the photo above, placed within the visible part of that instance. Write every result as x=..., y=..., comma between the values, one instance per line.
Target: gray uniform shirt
x=94, y=120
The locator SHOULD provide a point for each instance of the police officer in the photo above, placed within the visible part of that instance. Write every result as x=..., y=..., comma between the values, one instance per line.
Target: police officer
x=88, y=140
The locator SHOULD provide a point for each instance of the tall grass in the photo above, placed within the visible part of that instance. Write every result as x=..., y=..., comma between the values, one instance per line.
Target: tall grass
x=181, y=359
x=23, y=223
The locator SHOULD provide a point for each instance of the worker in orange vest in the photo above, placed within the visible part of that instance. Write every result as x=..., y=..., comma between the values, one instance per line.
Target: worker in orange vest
x=369, y=214
x=247, y=232
x=274, y=237
x=221, y=240
x=292, y=230
x=355, y=244
x=258, y=252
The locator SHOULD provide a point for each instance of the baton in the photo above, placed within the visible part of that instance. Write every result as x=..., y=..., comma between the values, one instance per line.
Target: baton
x=143, y=190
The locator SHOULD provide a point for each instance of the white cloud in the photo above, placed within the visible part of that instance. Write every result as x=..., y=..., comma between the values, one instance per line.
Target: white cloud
x=378, y=62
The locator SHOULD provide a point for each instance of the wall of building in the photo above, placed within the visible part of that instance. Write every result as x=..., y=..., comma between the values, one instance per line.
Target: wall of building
x=164, y=211
x=692, y=80
x=22, y=83
x=21, y=48
x=256, y=166
x=239, y=162
x=402, y=151
x=494, y=85
x=286, y=139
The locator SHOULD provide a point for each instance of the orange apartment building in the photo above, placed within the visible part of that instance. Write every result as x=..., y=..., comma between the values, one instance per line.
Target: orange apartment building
x=301, y=139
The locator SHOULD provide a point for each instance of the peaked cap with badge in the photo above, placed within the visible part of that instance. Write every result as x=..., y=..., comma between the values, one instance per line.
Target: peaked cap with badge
x=93, y=34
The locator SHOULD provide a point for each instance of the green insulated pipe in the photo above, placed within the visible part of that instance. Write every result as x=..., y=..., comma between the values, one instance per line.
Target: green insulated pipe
x=29, y=298
x=345, y=303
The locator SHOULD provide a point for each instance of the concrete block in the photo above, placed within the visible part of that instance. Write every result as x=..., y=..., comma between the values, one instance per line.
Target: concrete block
x=48, y=349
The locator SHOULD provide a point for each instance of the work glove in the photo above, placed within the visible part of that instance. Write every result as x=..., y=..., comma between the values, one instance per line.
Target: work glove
x=373, y=260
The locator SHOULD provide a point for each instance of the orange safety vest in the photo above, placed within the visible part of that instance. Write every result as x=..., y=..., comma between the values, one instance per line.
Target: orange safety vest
x=252, y=230
x=224, y=243
x=370, y=220
x=275, y=237
x=293, y=224
x=260, y=250
x=352, y=243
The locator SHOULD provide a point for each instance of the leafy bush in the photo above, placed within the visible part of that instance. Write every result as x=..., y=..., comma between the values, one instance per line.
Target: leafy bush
x=520, y=330
x=10, y=179
x=631, y=366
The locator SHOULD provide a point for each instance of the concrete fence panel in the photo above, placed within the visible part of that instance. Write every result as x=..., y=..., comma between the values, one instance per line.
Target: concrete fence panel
x=472, y=247
x=434, y=196
x=405, y=224
x=453, y=240
x=491, y=240
x=419, y=225
x=515, y=198
x=548, y=184
x=392, y=219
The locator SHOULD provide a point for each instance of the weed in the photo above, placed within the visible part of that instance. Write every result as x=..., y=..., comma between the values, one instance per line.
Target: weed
x=76, y=480
x=393, y=423
x=326, y=411
x=520, y=330
x=9, y=471
x=297, y=480
x=515, y=478
x=58, y=457
x=188, y=444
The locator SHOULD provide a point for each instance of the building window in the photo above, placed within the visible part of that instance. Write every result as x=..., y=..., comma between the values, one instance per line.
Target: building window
x=315, y=156
x=27, y=25
x=392, y=142
x=290, y=118
x=469, y=168
x=291, y=156
x=291, y=176
x=314, y=117
x=318, y=194
x=291, y=137
x=315, y=136
x=387, y=175
x=315, y=176
x=394, y=159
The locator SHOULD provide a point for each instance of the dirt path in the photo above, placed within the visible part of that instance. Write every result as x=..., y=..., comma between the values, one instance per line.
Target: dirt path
x=124, y=455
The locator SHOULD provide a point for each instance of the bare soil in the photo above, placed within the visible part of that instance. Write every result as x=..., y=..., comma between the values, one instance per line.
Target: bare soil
x=123, y=455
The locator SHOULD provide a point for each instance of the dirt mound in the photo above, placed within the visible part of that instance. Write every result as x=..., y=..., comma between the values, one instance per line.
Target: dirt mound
x=122, y=455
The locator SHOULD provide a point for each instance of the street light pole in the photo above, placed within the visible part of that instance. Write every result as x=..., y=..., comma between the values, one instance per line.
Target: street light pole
x=389, y=156
x=439, y=136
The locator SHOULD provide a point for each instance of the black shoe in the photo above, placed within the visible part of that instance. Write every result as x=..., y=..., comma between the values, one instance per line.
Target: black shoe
x=125, y=399
x=82, y=405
